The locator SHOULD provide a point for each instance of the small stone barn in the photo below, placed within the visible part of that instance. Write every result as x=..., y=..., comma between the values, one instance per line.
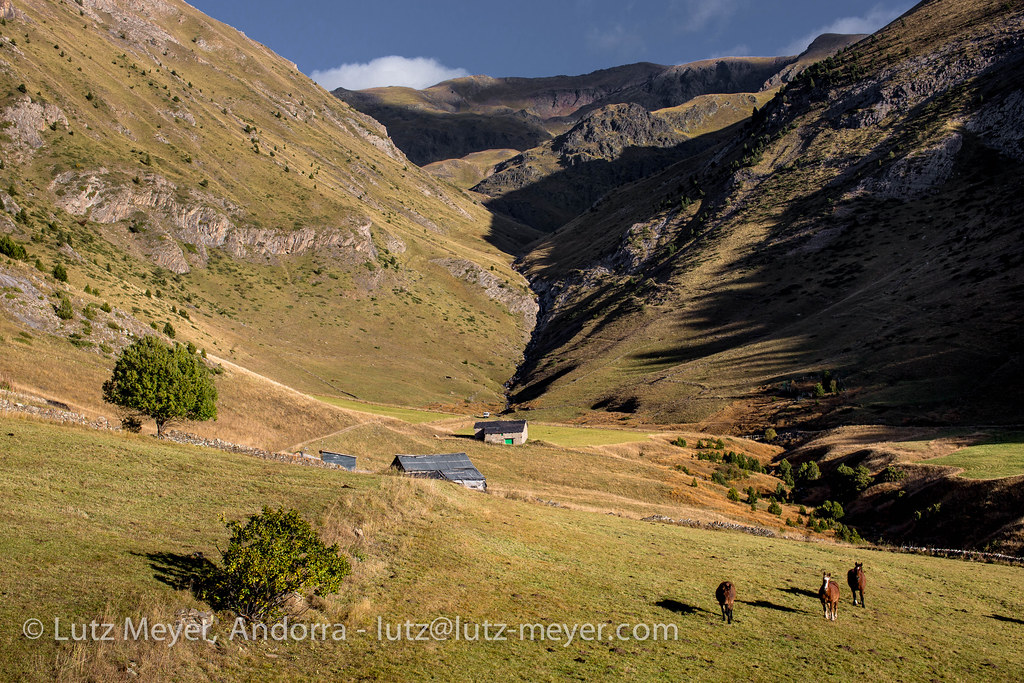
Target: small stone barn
x=508, y=432
x=456, y=467
x=340, y=459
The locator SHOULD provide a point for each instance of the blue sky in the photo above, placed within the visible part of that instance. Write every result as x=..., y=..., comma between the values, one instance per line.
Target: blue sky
x=420, y=42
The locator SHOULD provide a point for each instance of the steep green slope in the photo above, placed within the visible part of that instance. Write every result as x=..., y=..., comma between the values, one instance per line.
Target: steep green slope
x=862, y=228
x=148, y=147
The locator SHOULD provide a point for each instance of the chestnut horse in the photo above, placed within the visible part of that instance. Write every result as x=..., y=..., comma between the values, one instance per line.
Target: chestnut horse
x=855, y=577
x=726, y=595
x=829, y=595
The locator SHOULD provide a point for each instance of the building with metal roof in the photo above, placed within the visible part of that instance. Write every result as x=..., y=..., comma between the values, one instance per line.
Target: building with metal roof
x=340, y=459
x=456, y=467
x=508, y=432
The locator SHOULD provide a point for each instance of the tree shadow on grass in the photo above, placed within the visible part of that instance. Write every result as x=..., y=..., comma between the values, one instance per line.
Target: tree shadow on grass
x=771, y=605
x=1012, y=620
x=679, y=607
x=194, y=573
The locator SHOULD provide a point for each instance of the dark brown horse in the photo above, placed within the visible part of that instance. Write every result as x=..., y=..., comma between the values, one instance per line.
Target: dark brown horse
x=855, y=577
x=726, y=595
x=829, y=595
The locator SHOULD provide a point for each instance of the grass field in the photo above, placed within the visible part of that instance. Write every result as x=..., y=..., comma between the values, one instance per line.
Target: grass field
x=97, y=525
x=989, y=460
x=570, y=437
x=413, y=415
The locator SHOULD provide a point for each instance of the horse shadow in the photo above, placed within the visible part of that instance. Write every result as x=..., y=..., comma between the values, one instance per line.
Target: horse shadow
x=767, y=604
x=793, y=590
x=678, y=607
x=1012, y=620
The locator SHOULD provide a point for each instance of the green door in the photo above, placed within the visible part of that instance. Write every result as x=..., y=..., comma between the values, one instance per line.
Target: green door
x=508, y=442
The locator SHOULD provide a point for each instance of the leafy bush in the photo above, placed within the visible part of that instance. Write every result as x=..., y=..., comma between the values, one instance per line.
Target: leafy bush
x=679, y=441
x=893, y=473
x=752, y=494
x=730, y=472
x=733, y=495
x=64, y=309
x=807, y=472
x=770, y=435
x=709, y=456
x=719, y=478
x=9, y=247
x=169, y=330
x=60, y=273
x=270, y=557
x=775, y=508
x=786, y=473
x=848, y=482
x=830, y=509
x=744, y=462
x=131, y=423
x=847, y=533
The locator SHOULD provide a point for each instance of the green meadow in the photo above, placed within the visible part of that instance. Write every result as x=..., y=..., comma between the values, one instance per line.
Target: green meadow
x=103, y=526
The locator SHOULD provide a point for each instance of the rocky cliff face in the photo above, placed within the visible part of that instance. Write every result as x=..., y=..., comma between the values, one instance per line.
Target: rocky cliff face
x=27, y=120
x=547, y=186
x=200, y=220
x=607, y=132
x=516, y=301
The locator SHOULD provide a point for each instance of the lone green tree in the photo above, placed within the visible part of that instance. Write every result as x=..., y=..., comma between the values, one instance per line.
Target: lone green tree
x=270, y=557
x=163, y=382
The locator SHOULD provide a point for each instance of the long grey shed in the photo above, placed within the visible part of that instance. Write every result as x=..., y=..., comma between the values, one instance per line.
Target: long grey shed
x=346, y=461
x=456, y=467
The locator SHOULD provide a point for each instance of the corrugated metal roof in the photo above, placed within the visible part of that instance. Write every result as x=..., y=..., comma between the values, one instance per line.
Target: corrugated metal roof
x=501, y=426
x=449, y=466
x=346, y=461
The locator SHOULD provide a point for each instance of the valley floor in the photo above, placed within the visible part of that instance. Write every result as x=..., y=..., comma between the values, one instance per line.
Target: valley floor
x=105, y=526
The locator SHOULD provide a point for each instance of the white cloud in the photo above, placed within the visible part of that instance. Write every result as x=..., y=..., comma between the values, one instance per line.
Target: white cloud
x=614, y=39
x=417, y=72
x=695, y=15
x=741, y=50
x=875, y=19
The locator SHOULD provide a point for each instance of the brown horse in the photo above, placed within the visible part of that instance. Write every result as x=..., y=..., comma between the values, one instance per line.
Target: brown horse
x=855, y=577
x=829, y=595
x=726, y=595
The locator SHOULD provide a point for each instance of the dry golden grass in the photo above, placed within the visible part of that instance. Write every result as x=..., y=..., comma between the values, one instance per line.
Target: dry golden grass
x=252, y=410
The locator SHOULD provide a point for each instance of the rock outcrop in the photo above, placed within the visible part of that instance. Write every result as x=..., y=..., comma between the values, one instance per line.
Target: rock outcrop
x=515, y=301
x=28, y=119
x=196, y=219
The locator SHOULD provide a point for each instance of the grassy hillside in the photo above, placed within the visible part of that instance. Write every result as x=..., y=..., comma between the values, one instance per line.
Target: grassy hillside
x=115, y=537
x=955, y=488
x=859, y=229
x=190, y=175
